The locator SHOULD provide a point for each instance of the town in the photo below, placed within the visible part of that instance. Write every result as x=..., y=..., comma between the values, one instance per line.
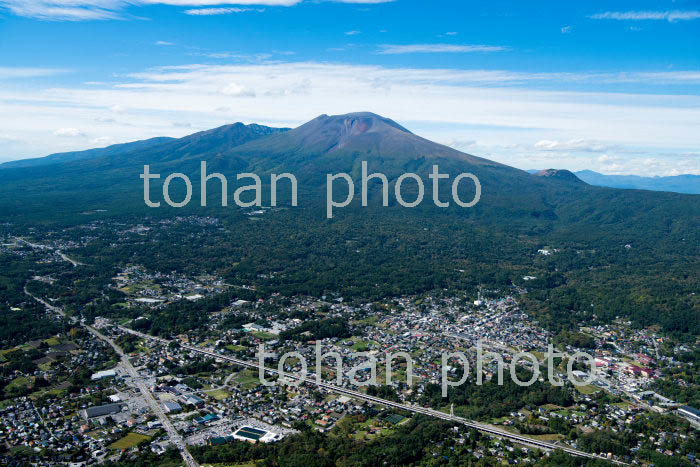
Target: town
x=105, y=389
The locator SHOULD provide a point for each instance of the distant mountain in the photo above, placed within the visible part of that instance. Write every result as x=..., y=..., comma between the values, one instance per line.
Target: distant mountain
x=689, y=184
x=332, y=144
x=324, y=145
x=361, y=133
x=62, y=157
x=560, y=174
x=378, y=250
x=212, y=142
x=336, y=143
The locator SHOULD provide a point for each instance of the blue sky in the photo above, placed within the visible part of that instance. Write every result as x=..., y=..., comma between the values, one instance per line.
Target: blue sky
x=609, y=86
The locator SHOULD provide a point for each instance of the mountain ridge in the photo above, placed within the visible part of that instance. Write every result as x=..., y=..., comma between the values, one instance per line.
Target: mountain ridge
x=70, y=156
x=223, y=137
x=684, y=183
x=560, y=174
x=375, y=247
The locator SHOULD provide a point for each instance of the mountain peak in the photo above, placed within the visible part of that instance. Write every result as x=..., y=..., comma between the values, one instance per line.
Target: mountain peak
x=560, y=174
x=343, y=130
x=351, y=137
x=360, y=122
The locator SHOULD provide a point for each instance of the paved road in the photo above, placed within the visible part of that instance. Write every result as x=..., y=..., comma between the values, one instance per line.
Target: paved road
x=138, y=381
x=411, y=408
x=69, y=259
x=46, y=247
x=148, y=395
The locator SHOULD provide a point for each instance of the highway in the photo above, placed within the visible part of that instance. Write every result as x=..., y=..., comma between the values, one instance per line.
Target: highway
x=410, y=408
x=63, y=256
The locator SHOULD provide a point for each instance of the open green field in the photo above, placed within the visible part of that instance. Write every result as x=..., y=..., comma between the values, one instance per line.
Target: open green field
x=22, y=450
x=623, y=405
x=54, y=392
x=266, y=336
x=587, y=390
x=129, y=441
x=370, y=321
x=360, y=346
x=567, y=412
x=140, y=286
x=52, y=341
x=218, y=394
x=21, y=382
x=5, y=352
x=248, y=379
x=6, y=403
x=552, y=407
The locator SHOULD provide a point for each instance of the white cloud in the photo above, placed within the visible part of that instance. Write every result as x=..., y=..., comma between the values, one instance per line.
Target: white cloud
x=389, y=49
x=85, y=10
x=103, y=140
x=606, y=158
x=194, y=3
x=508, y=116
x=68, y=132
x=353, y=33
x=237, y=90
x=571, y=145
x=219, y=11
x=166, y=43
x=364, y=2
x=16, y=73
x=119, y=109
x=566, y=29
x=65, y=10
x=671, y=16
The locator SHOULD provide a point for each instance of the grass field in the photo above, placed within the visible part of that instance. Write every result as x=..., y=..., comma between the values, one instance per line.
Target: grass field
x=218, y=394
x=129, y=441
x=21, y=382
x=236, y=348
x=266, y=336
x=588, y=389
x=371, y=321
x=6, y=403
x=360, y=346
x=248, y=379
x=55, y=392
x=552, y=407
x=52, y=341
x=622, y=405
x=5, y=352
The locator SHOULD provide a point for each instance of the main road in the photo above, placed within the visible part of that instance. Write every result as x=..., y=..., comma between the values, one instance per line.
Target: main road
x=387, y=403
x=148, y=395
x=135, y=378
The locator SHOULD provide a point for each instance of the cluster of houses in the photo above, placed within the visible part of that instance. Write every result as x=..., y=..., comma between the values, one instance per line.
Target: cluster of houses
x=156, y=288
